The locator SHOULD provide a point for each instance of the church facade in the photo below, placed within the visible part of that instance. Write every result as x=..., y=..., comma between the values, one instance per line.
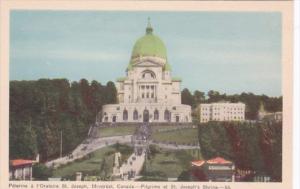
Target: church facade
x=148, y=93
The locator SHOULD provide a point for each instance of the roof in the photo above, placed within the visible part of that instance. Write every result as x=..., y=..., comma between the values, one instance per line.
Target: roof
x=19, y=162
x=120, y=79
x=149, y=45
x=198, y=163
x=218, y=160
x=167, y=67
x=176, y=79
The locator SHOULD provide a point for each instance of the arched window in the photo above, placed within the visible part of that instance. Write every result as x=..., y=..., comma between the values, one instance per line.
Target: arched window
x=148, y=74
x=167, y=115
x=156, y=114
x=135, y=115
x=125, y=115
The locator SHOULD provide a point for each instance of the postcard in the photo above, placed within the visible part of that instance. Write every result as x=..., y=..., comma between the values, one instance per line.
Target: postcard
x=146, y=94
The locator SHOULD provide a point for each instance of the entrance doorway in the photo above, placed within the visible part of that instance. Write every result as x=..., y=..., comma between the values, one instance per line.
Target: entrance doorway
x=146, y=116
x=177, y=119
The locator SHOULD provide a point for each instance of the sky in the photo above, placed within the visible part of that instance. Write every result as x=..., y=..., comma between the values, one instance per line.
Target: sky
x=231, y=52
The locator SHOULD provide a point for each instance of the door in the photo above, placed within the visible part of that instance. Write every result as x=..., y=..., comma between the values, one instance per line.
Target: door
x=146, y=116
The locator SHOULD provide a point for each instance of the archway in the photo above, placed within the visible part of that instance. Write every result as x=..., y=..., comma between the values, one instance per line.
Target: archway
x=135, y=115
x=156, y=115
x=125, y=115
x=167, y=115
x=114, y=118
x=146, y=115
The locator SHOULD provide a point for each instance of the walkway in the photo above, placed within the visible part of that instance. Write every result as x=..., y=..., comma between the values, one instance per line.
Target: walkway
x=174, y=146
x=90, y=145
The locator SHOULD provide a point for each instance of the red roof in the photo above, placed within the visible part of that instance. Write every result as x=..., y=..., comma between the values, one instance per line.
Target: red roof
x=198, y=163
x=18, y=162
x=218, y=160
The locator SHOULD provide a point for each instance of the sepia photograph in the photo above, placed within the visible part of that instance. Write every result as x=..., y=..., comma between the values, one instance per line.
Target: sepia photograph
x=147, y=95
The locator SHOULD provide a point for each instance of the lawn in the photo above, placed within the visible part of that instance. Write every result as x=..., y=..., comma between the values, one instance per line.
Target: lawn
x=116, y=131
x=92, y=163
x=171, y=163
x=182, y=136
x=166, y=127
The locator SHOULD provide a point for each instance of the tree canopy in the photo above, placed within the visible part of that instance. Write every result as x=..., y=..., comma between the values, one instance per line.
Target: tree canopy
x=40, y=110
x=252, y=101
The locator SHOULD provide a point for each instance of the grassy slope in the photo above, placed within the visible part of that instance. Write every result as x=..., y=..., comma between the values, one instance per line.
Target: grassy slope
x=116, y=131
x=172, y=163
x=180, y=136
x=91, y=164
x=86, y=165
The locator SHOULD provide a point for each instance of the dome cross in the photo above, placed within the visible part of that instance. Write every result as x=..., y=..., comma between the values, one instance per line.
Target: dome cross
x=149, y=28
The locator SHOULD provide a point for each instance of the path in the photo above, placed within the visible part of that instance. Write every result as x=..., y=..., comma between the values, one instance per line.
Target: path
x=90, y=145
x=174, y=146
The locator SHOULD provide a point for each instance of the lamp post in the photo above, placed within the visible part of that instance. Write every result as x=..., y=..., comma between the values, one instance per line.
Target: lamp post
x=61, y=144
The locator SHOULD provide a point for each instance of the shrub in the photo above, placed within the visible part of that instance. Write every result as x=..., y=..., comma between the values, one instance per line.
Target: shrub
x=41, y=172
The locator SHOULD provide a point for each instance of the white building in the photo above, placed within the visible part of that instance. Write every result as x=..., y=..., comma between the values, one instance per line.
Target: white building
x=20, y=169
x=271, y=116
x=222, y=112
x=148, y=93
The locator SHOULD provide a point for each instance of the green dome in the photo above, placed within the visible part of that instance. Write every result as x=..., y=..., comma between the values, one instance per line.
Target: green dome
x=148, y=45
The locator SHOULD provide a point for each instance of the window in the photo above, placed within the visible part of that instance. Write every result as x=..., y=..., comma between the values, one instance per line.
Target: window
x=156, y=114
x=147, y=96
x=125, y=115
x=135, y=115
x=152, y=95
x=177, y=118
x=167, y=115
x=143, y=95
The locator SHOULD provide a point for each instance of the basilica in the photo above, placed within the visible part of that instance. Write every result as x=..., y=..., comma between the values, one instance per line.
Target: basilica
x=148, y=93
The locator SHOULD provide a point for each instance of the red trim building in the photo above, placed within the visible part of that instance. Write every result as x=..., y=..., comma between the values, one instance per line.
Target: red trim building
x=216, y=169
x=20, y=169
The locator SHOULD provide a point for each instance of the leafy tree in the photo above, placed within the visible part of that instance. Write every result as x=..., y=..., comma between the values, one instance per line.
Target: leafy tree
x=41, y=172
x=199, y=97
x=187, y=97
x=40, y=110
x=184, y=176
x=251, y=146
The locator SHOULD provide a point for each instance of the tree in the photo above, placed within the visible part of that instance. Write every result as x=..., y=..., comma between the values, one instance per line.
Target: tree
x=199, y=97
x=41, y=172
x=187, y=98
x=40, y=110
x=110, y=93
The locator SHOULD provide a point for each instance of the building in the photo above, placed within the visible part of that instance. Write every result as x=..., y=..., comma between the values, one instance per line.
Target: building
x=216, y=169
x=223, y=111
x=148, y=92
x=20, y=169
x=269, y=116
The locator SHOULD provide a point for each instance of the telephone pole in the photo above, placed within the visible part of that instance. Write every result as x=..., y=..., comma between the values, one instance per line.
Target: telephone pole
x=61, y=143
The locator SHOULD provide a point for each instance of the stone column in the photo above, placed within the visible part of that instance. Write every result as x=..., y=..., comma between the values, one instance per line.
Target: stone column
x=23, y=173
x=31, y=173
